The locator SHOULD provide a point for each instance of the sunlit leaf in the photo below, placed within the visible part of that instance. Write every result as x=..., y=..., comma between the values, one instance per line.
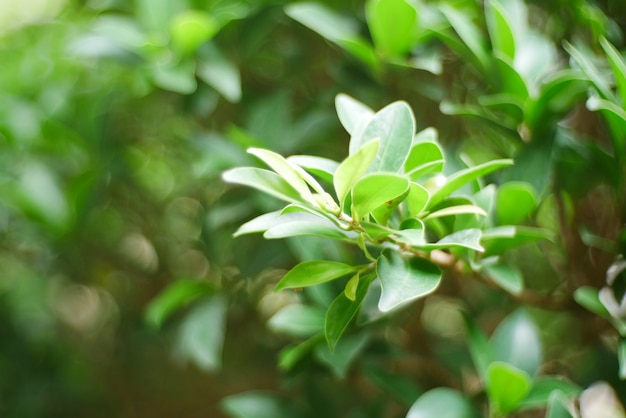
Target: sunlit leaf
x=424, y=158
x=191, y=28
x=466, y=238
x=416, y=200
x=302, y=223
x=500, y=30
x=374, y=190
x=324, y=168
x=352, y=169
x=404, y=280
x=263, y=180
x=393, y=25
x=506, y=387
x=313, y=272
x=456, y=210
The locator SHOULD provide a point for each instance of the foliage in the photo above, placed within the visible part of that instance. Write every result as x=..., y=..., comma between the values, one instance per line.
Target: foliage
x=459, y=251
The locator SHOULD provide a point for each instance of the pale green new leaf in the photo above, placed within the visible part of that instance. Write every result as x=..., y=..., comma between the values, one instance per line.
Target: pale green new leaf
x=466, y=238
x=284, y=169
x=461, y=178
x=416, y=200
x=313, y=272
x=506, y=387
x=352, y=169
x=303, y=223
x=394, y=126
x=259, y=224
x=374, y=190
x=424, y=158
x=263, y=180
x=404, y=280
x=457, y=210
x=351, y=111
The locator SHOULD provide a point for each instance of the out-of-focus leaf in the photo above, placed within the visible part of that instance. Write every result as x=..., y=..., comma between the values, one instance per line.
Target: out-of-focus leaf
x=350, y=111
x=396, y=385
x=302, y=223
x=478, y=345
x=515, y=201
x=559, y=406
x=292, y=355
x=507, y=277
x=342, y=310
x=461, y=178
x=297, y=320
x=587, y=297
x=374, y=190
x=404, y=280
x=173, y=297
x=191, y=28
x=442, y=403
x=621, y=357
x=506, y=387
x=178, y=77
x=313, y=272
x=345, y=352
x=516, y=342
x=500, y=30
x=220, y=73
x=618, y=66
x=256, y=405
x=350, y=171
x=393, y=25
x=263, y=180
x=201, y=334
x=499, y=239
x=394, y=126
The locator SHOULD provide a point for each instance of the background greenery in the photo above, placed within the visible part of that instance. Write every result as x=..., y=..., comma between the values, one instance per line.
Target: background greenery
x=122, y=290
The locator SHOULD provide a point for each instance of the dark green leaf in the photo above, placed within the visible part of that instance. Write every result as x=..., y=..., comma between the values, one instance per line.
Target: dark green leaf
x=404, y=280
x=342, y=310
x=478, y=345
x=313, y=272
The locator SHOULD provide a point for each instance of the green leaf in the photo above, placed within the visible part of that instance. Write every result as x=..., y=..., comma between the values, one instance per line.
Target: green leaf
x=178, y=77
x=515, y=202
x=584, y=59
x=442, y=403
x=587, y=297
x=220, y=73
x=457, y=210
x=618, y=66
x=500, y=30
x=175, y=296
x=506, y=387
x=201, y=335
x=313, y=272
x=621, y=357
x=352, y=169
x=416, y=200
x=374, y=190
x=284, y=169
x=499, y=239
x=324, y=21
x=263, y=180
x=259, y=224
x=393, y=25
x=394, y=126
x=393, y=384
x=478, y=345
x=191, y=28
x=305, y=224
x=543, y=388
x=559, y=406
x=324, y=168
x=466, y=238
x=507, y=277
x=424, y=158
x=516, y=342
x=342, y=310
x=291, y=355
x=404, y=280
x=256, y=405
x=463, y=177
x=344, y=354
x=297, y=320
x=351, y=111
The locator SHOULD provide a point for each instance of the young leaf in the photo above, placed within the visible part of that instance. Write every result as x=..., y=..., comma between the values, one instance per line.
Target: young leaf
x=442, y=403
x=463, y=177
x=304, y=223
x=374, y=190
x=424, y=158
x=351, y=111
x=457, y=210
x=506, y=387
x=416, y=200
x=284, y=169
x=297, y=320
x=394, y=125
x=352, y=169
x=263, y=180
x=516, y=342
x=342, y=310
x=259, y=224
x=324, y=168
x=313, y=272
x=404, y=280
x=393, y=25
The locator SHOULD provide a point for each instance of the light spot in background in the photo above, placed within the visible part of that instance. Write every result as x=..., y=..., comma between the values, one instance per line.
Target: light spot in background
x=442, y=316
x=17, y=13
x=139, y=250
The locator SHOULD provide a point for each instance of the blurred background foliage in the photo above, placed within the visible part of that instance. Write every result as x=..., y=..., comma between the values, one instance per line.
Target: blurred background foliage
x=122, y=291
